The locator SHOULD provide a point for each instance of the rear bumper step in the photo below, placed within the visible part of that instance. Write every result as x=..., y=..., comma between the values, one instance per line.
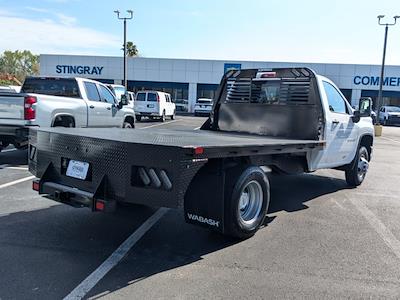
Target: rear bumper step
x=73, y=196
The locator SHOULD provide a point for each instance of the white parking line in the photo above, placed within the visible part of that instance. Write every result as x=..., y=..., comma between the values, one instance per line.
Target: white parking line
x=86, y=285
x=388, y=237
x=18, y=168
x=8, y=150
x=388, y=139
x=16, y=182
x=165, y=123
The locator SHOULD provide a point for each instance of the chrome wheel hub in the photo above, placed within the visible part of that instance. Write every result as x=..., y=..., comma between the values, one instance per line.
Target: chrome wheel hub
x=250, y=202
x=362, y=166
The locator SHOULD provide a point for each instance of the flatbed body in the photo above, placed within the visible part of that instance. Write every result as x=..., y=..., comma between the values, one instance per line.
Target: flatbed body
x=115, y=155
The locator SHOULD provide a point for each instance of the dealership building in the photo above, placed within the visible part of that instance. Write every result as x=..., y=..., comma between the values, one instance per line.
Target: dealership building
x=190, y=79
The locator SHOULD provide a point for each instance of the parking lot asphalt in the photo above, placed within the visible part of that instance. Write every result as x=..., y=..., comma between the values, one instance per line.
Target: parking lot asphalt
x=320, y=240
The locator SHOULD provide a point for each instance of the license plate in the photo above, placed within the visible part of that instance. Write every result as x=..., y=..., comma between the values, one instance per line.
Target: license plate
x=77, y=169
x=150, y=106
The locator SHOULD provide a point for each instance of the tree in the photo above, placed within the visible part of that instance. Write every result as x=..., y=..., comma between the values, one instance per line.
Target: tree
x=19, y=64
x=131, y=49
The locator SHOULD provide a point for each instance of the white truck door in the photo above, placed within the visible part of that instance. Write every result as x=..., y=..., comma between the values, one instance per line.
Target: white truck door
x=341, y=133
x=114, y=115
x=97, y=109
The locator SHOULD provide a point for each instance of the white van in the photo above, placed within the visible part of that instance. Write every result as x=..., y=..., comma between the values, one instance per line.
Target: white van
x=154, y=104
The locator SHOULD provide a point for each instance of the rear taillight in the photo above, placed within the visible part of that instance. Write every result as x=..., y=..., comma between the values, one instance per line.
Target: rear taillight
x=158, y=98
x=29, y=109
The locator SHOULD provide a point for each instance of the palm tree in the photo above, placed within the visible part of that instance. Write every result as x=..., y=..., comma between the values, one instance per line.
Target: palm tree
x=131, y=49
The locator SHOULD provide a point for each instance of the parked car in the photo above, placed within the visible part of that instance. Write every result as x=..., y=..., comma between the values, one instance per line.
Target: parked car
x=203, y=106
x=66, y=102
x=389, y=115
x=154, y=104
x=182, y=104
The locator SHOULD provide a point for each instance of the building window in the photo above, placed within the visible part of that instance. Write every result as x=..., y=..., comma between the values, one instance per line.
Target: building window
x=206, y=90
x=388, y=97
x=347, y=93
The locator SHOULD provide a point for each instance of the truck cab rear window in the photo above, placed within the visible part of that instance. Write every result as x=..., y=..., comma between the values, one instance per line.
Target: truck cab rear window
x=54, y=87
x=246, y=90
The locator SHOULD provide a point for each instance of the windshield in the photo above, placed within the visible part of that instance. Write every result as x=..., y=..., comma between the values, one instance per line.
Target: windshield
x=393, y=109
x=52, y=86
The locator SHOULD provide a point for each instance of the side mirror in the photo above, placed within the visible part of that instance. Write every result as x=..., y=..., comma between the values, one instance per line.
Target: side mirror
x=120, y=104
x=356, y=116
x=124, y=99
x=365, y=106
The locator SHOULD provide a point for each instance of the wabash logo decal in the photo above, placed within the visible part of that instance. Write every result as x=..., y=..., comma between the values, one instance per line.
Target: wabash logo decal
x=201, y=219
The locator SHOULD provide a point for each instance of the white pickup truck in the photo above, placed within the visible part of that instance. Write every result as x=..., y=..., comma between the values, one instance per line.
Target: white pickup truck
x=66, y=102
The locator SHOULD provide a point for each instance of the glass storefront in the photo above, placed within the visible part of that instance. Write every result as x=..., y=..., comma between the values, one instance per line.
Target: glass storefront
x=206, y=90
x=388, y=97
x=347, y=93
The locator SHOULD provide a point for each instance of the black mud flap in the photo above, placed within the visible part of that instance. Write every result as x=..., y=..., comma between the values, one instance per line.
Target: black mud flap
x=52, y=187
x=204, y=199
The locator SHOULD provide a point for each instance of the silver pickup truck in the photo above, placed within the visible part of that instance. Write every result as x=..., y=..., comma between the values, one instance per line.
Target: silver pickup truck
x=66, y=102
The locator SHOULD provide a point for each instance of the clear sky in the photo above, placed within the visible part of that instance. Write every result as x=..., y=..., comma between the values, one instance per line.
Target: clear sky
x=335, y=31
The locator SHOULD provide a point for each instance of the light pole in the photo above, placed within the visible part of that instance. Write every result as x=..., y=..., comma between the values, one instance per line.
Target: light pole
x=130, y=12
x=383, y=62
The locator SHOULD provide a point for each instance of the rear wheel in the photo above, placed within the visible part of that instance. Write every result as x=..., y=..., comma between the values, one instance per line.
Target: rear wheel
x=163, y=116
x=173, y=115
x=128, y=125
x=247, y=200
x=356, y=173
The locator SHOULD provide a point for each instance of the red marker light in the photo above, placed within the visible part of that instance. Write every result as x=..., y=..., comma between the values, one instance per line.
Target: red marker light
x=100, y=205
x=35, y=186
x=198, y=150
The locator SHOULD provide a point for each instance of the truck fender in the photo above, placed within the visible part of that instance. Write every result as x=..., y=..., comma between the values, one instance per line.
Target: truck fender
x=57, y=115
x=365, y=140
x=128, y=118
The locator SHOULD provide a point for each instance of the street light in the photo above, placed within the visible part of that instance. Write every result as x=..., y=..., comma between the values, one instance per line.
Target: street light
x=380, y=17
x=130, y=12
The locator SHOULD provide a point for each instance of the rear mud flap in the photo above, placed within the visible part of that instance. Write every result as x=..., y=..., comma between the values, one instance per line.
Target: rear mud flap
x=204, y=199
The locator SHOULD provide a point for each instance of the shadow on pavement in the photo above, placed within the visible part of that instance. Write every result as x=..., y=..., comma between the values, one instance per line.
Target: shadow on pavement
x=44, y=254
x=172, y=244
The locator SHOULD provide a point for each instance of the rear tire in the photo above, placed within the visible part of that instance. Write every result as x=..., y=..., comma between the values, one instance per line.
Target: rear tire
x=358, y=169
x=138, y=118
x=163, y=116
x=127, y=125
x=173, y=115
x=247, y=200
